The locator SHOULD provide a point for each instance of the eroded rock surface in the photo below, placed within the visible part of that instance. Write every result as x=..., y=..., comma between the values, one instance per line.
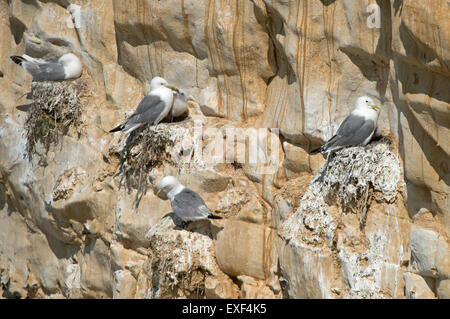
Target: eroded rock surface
x=81, y=219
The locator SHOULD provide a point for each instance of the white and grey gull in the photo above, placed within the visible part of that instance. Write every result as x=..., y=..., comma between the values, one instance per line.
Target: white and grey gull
x=152, y=109
x=180, y=105
x=186, y=204
x=67, y=67
x=356, y=130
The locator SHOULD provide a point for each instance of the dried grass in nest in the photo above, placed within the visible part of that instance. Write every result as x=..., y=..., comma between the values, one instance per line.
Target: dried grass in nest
x=146, y=148
x=350, y=180
x=354, y=174
x=55, y=109
x=168, y=281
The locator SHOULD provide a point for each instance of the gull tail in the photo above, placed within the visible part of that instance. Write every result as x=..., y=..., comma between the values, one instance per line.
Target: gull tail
x=317, y=150
x=18, y=59
x=211, y=216
x=117, y=128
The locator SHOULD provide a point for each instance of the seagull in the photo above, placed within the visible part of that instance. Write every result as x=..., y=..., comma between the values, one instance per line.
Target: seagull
x=356, y=130
x=152, y=109
x=180, y=105
x=66, y=67
x=186, y=204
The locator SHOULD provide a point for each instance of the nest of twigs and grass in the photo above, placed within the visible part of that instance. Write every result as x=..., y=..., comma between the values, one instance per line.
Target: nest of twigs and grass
x=146, y=148
x=354, y=174
x=170, y=283
x=351, y=180
x=56, y=108
x=176, y=263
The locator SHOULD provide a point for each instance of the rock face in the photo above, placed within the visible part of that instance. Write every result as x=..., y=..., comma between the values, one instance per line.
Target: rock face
x=79, y=218
x=346, y=237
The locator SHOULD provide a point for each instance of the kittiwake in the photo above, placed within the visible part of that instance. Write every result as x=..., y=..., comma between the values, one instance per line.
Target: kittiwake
x=357, y=129
x=68, y=66
x=152, y=109
x=186, y=204
x=180, y=105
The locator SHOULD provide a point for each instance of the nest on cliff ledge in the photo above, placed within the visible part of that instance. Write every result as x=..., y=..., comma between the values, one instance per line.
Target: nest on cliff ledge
x=169, y=282
x=146, y=147
x=352, y=173
x=178, y=261
x=350, y=180
x=56, y=108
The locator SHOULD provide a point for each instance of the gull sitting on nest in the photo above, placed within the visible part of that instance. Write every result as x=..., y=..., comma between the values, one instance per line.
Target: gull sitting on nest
x=66, y=67
x=152, y=109
x=356, y=130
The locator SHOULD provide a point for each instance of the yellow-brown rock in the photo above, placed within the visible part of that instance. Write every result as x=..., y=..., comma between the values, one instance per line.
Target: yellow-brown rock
x=77, y=222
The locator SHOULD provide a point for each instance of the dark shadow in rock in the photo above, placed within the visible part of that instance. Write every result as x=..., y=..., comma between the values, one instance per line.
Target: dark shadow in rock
x=367, y=64
x=327, y=2
x=415, y=48
x=61, y=249
x=398, y=7
x=204, y=226
x=416, y=79
x=432, y=151
x=273, y=22
x=24, y=107
x=384, y=48
x=18, y=28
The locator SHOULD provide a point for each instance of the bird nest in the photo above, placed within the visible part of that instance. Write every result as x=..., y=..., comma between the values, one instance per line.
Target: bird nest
x=56, y=108
x=146, y=148
x=350, y=181
x=178, y=261
x=352, y=171
x=169, y=281
x=352, y=174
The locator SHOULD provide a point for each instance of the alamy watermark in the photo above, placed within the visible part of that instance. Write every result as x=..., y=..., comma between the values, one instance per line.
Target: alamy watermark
x=72, y=276
x=74, y=21
x=258, y=148
x=374, y=18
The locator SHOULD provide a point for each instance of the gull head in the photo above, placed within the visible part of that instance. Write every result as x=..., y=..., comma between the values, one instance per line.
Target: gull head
x=181, y=96
x=72, y=65
x=365, y=102
x=158, y=82
x=167, y=184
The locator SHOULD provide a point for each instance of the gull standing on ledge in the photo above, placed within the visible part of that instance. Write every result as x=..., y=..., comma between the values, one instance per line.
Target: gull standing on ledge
x=66, y=67
x=186, y=203
x=152, y=109
x=356, y=130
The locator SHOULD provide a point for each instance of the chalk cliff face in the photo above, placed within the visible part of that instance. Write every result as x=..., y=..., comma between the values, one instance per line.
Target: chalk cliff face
x=80, y=219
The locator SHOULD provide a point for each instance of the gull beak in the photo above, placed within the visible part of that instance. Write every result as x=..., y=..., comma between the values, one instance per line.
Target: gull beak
x=172, y=88
x=159, y=190
x=375, y=107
